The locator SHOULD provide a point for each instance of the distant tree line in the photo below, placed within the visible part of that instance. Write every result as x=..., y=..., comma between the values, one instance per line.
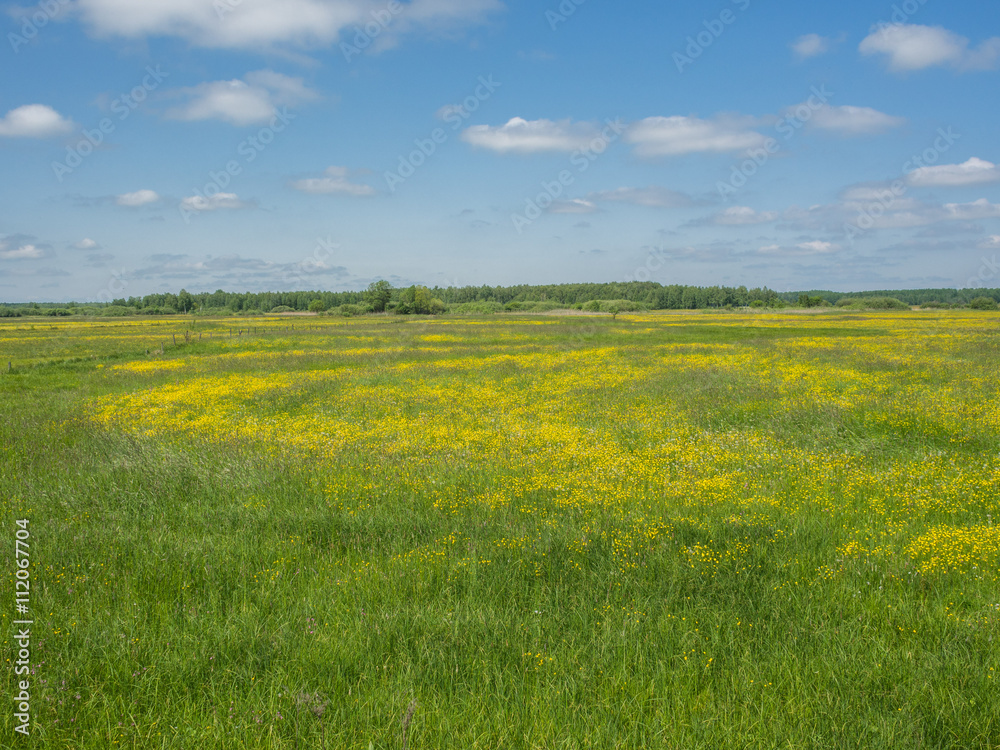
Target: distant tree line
x=612, y=297
x=911, y=297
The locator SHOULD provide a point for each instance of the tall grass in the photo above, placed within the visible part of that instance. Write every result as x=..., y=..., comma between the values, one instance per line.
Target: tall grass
x=655, y=531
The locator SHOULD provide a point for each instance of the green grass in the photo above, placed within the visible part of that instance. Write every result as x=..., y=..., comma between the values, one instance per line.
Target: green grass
x=193, y=592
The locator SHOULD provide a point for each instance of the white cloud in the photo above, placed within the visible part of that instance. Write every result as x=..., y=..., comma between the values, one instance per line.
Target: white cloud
x=814, y=247
x=34, y=121
x=212, y=203
x=86, y=244
x=265, y=23
x=980, y=209
x=530, y=136
x=810, y=45
x=23, y=252
x=241, y=102
x=336, y=180
x=850, y=120
x=743, y=216
x=652, y=197
x=673, y=136
x=991, y=242
x=914, y=47
x=138, y=198
x=574, y=206
x=818, y=246
x=972, y=172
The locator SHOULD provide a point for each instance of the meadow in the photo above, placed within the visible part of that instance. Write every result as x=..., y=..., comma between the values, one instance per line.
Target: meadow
x=713, y=530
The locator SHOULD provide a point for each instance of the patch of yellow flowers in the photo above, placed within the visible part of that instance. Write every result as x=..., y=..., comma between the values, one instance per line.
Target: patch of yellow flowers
x=628, y=424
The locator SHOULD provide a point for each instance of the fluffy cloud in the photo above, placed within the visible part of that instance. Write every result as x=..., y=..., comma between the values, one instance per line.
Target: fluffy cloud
x=34, y=121
x=850, y=120
x=652, y=197
x=335, y=180
x=972, y=172
x=674, y=136
x=23, y=247
x=212, y=203
x=138, y=198
x=742, y=216
x=24, y=252
x=265, y=23
x=241, y=102
x=531, y=136
x=913, y=47
x=990, y=243
x=810, y=45
x=86, y=244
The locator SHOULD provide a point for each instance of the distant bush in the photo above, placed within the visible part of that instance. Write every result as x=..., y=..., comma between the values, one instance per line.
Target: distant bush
x=806, y=301
x=532, y=306
x=156, y=311
x=872, y=303
x=7, y=312
x=60, y=312
x=116, y=311
x=317, y=306
x=983, y=303
x=282, y=309
x=592, y=306
x=477, y=308
x=349, y=311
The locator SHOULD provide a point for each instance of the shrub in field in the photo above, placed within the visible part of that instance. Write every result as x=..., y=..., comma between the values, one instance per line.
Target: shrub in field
x=349, y=311
x=983, y=303
x=156, y=311
x=592, y=306
x=477, y=308
x=317, y=306
x=532, y=306
x=115, y=311
x=282, y=309
x=872, y=303
x=806, y=301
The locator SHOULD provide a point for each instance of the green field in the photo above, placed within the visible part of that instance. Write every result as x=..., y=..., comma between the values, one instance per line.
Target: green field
x=657, y=531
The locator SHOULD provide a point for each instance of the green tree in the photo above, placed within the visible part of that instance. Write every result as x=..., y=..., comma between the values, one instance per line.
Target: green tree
x=378, y=295
x=983, y=303
x=317, y=306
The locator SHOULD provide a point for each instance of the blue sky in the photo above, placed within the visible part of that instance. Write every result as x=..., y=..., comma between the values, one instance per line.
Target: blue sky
x=322, y=144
